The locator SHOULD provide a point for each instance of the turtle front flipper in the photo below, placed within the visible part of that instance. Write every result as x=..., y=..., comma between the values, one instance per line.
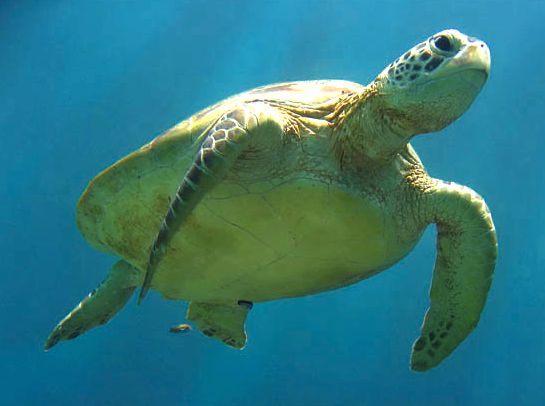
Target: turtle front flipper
x=466, y=257
x=224, y=322
x=220, y=148
x=99, y=306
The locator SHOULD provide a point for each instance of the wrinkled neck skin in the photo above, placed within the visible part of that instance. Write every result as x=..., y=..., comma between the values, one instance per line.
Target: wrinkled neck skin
x=372, y=134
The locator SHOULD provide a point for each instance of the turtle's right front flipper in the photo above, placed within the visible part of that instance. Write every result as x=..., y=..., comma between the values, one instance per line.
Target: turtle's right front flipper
x=221, y=147
x=467, y=248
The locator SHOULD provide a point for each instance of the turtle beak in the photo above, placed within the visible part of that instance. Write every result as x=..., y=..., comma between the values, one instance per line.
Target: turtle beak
x=476, y=56
x=471, y=64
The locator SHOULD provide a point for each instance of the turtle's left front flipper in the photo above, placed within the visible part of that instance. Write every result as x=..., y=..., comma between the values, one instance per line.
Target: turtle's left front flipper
x=220, y=148
x=466, y=257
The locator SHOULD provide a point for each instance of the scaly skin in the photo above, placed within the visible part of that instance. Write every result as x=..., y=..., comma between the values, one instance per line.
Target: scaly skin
x=297, y=188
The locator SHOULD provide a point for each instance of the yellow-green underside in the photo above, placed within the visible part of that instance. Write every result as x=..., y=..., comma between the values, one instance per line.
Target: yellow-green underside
x=271, y=239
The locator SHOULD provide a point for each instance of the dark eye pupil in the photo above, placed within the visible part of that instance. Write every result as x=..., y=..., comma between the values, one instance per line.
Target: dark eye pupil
x=443, y=43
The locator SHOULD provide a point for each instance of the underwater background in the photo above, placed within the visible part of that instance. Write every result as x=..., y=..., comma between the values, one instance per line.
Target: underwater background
x=83, y=83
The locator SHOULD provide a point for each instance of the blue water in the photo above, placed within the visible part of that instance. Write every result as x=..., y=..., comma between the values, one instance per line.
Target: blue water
x=83, y=83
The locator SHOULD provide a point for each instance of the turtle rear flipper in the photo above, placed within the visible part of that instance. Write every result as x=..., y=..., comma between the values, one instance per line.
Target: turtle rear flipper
x=223, y=322
x=99, y=306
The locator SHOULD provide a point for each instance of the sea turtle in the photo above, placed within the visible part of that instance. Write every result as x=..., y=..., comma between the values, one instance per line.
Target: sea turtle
x=293, y=189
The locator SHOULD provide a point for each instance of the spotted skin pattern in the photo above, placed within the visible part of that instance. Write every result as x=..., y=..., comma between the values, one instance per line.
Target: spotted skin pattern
x=466, y=257
x=412, y=65
x=350, y=148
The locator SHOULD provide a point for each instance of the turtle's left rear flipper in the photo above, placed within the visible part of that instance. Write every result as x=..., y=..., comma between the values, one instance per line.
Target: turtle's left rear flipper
x=224, y=322
x=99, y=306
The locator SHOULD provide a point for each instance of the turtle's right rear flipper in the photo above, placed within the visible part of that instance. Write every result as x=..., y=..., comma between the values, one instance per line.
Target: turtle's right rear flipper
x=99, y=306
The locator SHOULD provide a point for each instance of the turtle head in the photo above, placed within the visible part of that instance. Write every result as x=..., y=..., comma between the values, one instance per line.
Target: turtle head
x=434, y=83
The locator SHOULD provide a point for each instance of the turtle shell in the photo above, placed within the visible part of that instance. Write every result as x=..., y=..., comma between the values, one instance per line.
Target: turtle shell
x=280, y=235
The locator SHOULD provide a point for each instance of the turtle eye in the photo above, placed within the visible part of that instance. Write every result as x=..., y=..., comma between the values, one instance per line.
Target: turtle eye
x=443, y=44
